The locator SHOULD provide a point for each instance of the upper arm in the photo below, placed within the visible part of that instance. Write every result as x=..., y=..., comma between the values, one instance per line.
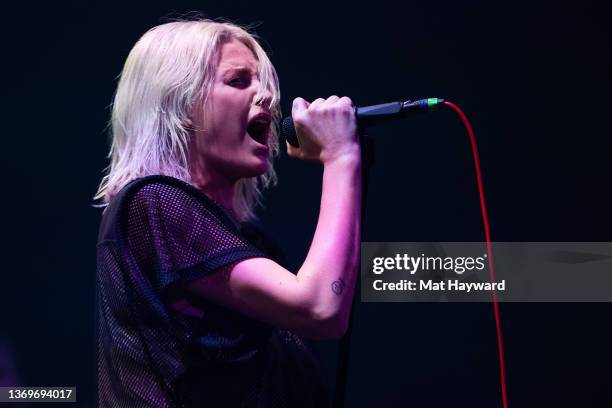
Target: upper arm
x=262, y=289
x=186, y=243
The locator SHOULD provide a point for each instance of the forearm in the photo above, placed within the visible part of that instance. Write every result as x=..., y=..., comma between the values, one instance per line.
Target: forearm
x=329, y=273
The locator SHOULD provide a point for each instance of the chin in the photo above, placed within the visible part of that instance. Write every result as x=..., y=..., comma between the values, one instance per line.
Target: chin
x=257, y=168
x=262, y=168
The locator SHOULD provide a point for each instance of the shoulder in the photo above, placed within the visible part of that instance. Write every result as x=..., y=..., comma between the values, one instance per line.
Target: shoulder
x=157, y=197
x=164, y=192
x=158, y=188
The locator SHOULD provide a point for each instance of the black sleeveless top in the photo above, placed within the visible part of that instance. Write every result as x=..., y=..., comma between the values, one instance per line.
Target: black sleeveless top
x=160, y=232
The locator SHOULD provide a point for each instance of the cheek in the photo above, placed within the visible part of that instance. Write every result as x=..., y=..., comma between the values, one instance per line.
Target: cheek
x=222, y=140
x=229, y=118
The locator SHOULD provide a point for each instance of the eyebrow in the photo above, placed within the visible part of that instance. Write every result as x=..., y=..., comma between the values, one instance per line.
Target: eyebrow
x=240, y=68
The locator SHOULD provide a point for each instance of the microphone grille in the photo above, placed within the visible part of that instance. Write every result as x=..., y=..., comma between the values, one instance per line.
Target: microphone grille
x=288, y=132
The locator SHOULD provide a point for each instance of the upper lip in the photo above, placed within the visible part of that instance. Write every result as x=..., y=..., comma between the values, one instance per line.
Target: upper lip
x=261, y=116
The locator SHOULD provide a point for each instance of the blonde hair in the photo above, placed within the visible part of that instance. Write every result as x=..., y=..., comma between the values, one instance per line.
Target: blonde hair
x=167, y=73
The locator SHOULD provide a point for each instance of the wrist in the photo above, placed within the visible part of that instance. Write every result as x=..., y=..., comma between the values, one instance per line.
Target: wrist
x=349, y=154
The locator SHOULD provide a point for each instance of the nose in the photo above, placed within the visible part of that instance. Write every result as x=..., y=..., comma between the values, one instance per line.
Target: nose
x=263, y=96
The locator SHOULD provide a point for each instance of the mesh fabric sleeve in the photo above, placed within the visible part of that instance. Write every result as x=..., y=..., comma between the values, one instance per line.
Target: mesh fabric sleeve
x=176, y=234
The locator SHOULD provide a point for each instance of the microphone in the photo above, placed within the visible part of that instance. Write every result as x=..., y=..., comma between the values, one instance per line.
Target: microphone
x=372, y=115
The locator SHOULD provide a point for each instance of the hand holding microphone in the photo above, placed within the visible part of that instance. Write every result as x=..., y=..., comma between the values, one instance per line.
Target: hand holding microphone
x=367, y=116
x=325, y=130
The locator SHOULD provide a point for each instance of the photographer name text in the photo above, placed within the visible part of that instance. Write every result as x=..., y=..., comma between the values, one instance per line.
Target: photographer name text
x=437, y=286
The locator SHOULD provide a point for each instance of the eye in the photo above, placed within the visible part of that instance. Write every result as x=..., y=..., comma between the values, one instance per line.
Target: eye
x=239, y=82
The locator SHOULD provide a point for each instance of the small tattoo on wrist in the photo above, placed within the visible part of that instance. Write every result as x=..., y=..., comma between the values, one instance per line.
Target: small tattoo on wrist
x=338, y=286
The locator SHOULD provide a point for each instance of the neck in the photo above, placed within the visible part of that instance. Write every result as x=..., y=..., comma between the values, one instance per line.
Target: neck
x=218, y=189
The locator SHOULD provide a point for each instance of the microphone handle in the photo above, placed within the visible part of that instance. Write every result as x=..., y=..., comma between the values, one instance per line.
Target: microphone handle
x=370, y=115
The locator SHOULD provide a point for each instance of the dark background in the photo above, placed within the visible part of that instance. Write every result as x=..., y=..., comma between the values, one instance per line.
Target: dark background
x=533, y=77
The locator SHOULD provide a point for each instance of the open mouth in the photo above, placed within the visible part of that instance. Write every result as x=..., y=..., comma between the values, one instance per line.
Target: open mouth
x=258, y=128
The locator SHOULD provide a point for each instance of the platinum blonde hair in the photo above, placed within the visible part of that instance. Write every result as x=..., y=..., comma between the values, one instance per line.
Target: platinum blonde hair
x=167, y=74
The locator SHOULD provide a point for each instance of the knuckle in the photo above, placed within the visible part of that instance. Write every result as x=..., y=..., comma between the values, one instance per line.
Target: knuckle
x=319, y=108
x=346, y=100
x=330, y=110
x=344, y=110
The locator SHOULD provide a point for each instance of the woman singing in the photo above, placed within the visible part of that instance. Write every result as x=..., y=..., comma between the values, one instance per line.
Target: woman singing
x=194, y=306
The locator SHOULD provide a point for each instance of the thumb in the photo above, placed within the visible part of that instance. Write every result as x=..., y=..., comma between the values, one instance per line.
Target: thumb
x=299, y=105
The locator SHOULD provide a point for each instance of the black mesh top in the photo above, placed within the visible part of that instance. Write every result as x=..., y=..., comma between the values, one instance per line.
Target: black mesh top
x=160, y=232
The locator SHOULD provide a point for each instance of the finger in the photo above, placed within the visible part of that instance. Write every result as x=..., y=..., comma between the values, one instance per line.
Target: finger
x=317, y=102
x=290, y=148
x=293, y=151
x=299, y=104
x=331, y=100
x=345, y=100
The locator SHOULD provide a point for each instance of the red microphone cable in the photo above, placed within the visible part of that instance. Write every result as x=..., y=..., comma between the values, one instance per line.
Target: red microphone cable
x=487, y=230
x=423, y=105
